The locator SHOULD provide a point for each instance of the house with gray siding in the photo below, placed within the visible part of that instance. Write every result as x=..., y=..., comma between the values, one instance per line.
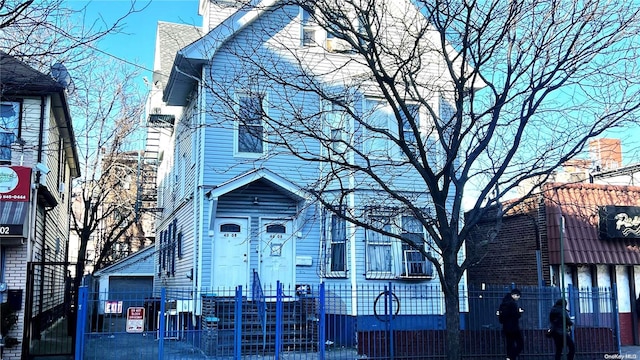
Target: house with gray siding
x=237, y=207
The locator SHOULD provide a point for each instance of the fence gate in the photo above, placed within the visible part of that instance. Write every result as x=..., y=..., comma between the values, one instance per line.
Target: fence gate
x=49, y=310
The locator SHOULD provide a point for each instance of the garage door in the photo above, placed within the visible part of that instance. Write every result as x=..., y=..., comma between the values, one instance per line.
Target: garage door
x=131, y=290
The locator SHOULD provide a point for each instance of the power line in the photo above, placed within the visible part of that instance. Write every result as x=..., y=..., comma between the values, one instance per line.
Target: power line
x=118, y=58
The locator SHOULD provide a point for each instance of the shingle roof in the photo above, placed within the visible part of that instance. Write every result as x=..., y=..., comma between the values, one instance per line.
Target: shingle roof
x=16, y=77
x=578, y=204
x=172, y=37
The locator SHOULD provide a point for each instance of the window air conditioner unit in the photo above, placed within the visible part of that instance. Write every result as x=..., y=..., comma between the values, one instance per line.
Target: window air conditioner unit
x=338, y=45
x=415, y=264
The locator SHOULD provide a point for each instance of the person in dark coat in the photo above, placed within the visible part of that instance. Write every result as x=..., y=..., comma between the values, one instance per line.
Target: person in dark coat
x=561, y=323
x=509, y=314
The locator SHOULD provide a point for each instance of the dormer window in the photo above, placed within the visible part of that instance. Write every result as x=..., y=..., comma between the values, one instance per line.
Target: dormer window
x=309, y=27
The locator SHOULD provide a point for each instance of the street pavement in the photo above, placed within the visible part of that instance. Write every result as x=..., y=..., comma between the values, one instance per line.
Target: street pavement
x=628, y=352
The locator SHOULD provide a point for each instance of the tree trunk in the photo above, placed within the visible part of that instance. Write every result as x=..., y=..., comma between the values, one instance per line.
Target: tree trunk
x=452, y=307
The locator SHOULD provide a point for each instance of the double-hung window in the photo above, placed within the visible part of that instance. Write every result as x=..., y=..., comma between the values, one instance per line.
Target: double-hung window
x=337, y=124
x=378, y=142
x=250, y=126
x=9, y=128
x=389, y=257
x=414, y=264
x=309, y=28
x=407, y=131
x=337, y=246
x=379, y=248
x=376, y=139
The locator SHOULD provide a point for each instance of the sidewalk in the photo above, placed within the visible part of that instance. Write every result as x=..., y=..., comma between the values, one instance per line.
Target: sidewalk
x=629, y=352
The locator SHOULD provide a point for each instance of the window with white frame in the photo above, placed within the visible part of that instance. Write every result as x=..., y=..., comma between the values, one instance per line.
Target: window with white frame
x=407, y=130
x=382, y=120
x=9, y=128
x=376, y=142
x=337, y=124
x=309, y=27
x=379, y=248
x=250, y=127
x=414, y=264
x=389, y=257
x=337, y=246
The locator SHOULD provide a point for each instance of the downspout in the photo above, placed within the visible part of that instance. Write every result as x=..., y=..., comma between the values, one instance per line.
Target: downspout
x=199, y=202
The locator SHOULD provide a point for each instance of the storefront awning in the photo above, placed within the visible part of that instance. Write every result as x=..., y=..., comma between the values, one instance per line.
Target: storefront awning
x=578, y=206
x=13, y=220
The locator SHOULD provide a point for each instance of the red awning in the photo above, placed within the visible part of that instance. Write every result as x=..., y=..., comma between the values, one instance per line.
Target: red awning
x=578, y=204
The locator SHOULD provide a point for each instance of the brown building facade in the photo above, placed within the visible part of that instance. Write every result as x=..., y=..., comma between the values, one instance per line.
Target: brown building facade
x=590, y=231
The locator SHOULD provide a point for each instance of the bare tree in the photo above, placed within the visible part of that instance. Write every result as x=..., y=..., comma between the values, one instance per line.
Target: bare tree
x=108, y=109
x=43, y=32
x=477, y=96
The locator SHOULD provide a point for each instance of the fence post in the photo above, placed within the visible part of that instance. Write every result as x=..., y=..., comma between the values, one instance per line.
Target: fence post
x=81, y=320
x=390, y=322
x=278, y=319
x=321, y=325
x=161, y=323
x=616, y=318
x=237, y=346
x=574, y=296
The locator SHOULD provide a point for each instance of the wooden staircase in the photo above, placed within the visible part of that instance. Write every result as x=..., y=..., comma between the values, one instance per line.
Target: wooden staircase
x=299, y=330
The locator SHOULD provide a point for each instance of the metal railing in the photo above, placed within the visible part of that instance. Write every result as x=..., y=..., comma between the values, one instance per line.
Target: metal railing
x=259, y=298
x=379, y=321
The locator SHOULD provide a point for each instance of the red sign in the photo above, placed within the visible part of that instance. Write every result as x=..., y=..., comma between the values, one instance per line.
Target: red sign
x=15, y=183
x=135, y=319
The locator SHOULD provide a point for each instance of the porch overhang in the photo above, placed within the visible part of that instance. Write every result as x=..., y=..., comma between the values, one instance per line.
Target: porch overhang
x=286, y=186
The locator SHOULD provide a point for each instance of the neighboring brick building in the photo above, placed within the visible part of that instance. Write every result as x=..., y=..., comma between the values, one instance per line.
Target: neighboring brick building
x=599, y=246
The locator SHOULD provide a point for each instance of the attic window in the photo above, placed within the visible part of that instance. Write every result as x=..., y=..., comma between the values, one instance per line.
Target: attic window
x=309, y=27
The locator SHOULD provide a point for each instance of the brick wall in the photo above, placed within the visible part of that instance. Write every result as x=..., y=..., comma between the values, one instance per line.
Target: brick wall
x=510, y=257
x=16, y=265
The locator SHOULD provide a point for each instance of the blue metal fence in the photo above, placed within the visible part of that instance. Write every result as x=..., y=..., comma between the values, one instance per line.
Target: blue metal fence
x=382, y=321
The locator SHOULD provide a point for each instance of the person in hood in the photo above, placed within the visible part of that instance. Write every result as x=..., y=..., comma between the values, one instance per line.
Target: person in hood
x=509, y=315
x=561, y=323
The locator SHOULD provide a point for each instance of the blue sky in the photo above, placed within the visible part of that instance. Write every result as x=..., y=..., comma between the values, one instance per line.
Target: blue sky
x=136, y=43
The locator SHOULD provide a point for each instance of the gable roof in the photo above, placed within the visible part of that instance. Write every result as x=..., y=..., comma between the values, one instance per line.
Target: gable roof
x=188, y=61
x=170, y=38
x=277, y=181
x=19, y=79
x=140, y=262
x=578, y=204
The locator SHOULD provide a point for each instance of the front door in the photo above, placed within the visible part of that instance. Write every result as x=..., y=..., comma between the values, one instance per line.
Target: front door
x=277, y=255
x=231, y=253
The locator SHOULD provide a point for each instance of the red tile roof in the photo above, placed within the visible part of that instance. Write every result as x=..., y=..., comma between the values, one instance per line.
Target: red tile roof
x=578, y=204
